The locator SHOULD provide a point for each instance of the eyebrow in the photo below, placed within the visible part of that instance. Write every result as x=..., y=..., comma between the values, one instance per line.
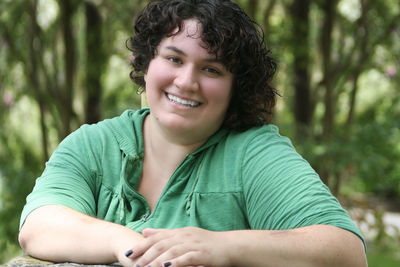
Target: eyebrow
x=180, y=52
x=176, y=50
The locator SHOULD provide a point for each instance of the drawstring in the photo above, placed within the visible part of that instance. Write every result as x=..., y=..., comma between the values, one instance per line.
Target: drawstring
x=190, y=196
x=121, y=189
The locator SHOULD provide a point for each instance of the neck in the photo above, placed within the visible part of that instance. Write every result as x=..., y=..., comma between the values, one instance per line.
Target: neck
x=166, y=147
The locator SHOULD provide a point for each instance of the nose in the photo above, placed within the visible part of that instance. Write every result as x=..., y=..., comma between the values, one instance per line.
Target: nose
x=186, y=78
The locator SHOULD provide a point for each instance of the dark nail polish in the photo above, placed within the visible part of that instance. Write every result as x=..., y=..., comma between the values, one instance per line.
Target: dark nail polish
x=129, y=252
x=167, y=264
x=137, y=265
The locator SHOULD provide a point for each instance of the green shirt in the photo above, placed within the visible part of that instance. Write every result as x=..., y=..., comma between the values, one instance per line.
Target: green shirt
x=249, y=180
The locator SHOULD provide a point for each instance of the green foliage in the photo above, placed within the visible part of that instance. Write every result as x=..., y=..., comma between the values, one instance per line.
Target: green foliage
x=368, y=153
x=378, y=149
x=364, y=152
x=20, y=165
x=32, y=76
x=378, y=257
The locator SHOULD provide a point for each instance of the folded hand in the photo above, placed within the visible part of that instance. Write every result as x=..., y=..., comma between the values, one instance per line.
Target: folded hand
x=181, y=247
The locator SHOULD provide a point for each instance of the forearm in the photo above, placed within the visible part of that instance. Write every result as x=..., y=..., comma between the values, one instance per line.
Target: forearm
x=318, y=245
x=57, y=233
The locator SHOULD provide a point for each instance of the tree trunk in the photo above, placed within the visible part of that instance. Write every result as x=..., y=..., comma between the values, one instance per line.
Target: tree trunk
x=266, y=15
x=352, y=102
x=95, y=63
x=34, y=77
x=66, y=8
x=329, y=10
x=301, y=75
x=252, y=8
x=362, y=58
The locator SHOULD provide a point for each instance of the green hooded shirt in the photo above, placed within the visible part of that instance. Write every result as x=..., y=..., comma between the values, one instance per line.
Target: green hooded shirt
x=249, y=180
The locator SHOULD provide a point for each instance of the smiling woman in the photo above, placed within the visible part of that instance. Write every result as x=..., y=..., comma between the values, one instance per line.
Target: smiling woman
x=188, y=90
x=197, y=179
x=230, y=37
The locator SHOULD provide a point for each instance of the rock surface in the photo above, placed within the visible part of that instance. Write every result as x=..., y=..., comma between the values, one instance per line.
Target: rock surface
x=26, y=261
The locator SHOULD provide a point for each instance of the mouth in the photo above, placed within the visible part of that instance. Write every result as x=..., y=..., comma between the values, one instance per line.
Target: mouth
x=181, y=101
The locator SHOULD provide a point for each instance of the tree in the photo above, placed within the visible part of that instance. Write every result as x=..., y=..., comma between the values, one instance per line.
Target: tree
x=95, y=63
x=303, y=104
x=70, y=66
x=43, y=64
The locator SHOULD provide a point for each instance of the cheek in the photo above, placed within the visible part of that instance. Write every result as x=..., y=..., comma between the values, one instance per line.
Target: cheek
x=221, y=91
x=157, y=75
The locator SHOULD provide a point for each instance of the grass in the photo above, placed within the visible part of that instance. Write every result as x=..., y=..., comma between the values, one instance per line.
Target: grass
x=379, y=257
x=9, y=252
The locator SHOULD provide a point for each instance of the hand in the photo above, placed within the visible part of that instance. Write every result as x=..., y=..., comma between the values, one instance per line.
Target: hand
x=181, y=247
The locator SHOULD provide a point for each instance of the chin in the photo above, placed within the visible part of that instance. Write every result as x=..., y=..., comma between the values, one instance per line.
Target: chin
x=173, y=122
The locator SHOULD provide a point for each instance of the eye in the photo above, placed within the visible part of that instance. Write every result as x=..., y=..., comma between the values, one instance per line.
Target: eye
x=212, y=70
x=174, y=60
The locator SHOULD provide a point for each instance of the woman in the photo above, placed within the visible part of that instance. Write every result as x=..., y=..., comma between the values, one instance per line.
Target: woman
x=200, y=178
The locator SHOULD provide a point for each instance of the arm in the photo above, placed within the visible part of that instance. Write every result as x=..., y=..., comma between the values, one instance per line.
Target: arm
x=318, y=245
x=58, y=233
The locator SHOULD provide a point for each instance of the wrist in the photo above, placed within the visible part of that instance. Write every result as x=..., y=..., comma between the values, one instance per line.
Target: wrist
x=232, y=248
x=122, y=239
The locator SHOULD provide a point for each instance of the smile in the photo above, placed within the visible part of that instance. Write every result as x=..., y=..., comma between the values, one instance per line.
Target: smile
x=183, y=102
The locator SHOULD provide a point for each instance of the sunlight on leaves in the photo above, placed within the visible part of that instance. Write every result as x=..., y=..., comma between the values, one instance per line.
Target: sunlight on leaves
x=47, y=13
x=351, y=9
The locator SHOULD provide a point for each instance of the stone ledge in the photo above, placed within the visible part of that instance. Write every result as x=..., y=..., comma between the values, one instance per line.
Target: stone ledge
x=27, y=261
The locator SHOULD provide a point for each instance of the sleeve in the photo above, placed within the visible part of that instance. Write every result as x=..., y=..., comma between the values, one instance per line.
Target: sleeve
x=282, y=191
x=68, y=178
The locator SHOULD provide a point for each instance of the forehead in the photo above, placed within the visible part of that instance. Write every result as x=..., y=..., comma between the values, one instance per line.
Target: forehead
x=190, y=31
x=188, y=36
x=190, y=27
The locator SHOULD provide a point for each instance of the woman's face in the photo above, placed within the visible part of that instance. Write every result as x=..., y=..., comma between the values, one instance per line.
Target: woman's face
x=188, y=89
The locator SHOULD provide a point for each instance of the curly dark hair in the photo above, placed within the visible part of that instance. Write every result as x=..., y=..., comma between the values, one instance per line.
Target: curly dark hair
x=231, y=35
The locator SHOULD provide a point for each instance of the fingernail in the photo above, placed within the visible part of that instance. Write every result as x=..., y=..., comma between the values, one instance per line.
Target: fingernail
x=129, y=252
x=167, y=264
x=137, y=265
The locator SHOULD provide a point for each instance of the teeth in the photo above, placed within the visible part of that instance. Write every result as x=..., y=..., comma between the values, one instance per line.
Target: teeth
x=183, y=102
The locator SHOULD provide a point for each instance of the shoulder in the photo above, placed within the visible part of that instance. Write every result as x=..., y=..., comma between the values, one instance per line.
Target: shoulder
x=264, y=156
x=122, y=126
x=264, y=134
x=264, y=139
x=256, y=154
x=118, y=133
x=119, y=124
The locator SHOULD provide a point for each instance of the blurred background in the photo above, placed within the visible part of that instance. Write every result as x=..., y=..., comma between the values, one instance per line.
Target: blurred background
x=64, y=63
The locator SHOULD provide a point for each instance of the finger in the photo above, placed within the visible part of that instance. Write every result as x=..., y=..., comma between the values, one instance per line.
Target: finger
x=146, y=232
x=161, y=253
x=191, y=258
x=124, y=261
x=139, y=249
